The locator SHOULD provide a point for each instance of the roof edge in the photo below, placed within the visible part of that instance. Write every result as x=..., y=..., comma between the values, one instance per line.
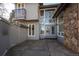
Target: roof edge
x=48, y=6
x=59, y=9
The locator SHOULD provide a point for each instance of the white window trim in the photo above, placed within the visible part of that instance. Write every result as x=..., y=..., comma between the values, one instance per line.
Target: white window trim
x=31, y=30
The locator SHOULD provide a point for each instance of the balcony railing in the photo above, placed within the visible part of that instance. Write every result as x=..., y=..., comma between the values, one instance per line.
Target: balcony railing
x=20, y=14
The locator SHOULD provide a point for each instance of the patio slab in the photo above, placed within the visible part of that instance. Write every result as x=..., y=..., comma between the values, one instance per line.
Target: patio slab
x=40, y=48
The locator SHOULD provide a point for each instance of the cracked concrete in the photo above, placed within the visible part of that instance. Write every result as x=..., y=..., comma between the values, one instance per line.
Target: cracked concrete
x=40, y=48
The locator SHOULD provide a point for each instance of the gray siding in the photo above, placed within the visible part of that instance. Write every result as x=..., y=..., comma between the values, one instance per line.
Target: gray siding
x=31, y=11
x=4, y=37
x=10, y=35
x=17, y=35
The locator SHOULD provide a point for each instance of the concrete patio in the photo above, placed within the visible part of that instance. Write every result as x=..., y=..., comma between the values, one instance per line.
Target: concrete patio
x=40, y=48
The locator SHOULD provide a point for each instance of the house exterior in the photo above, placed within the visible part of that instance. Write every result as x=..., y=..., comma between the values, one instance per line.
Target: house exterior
x=68, y=14
x=27, y=14
x=37, y=18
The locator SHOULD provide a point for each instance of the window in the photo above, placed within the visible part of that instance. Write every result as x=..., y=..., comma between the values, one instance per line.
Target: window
x=42, y=12
x=31, y=30
x=48, y=16
x=53, y=30
x=61, y=25
x=19, y=5
x=22, y=4
x=42, y=28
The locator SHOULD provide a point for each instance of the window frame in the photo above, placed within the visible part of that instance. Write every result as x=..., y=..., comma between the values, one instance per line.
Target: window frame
x=59, y=33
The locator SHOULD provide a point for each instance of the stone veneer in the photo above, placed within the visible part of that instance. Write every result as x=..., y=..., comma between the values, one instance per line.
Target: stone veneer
x=71, y=27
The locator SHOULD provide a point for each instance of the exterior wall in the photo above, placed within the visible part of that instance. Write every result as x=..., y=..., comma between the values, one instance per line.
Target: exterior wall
x=36, y=31
x=78, y=27
x=28, y=12
x=70, y=27
x=31, y=11
x=10, y=35
x=17, y=35
x=4, y=37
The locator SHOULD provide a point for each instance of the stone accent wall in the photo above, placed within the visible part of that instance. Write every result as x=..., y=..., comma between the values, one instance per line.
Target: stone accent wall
x=71, y=27
x=78, y=27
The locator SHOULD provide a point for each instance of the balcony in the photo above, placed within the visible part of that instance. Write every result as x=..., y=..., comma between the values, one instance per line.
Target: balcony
x=20, y=14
